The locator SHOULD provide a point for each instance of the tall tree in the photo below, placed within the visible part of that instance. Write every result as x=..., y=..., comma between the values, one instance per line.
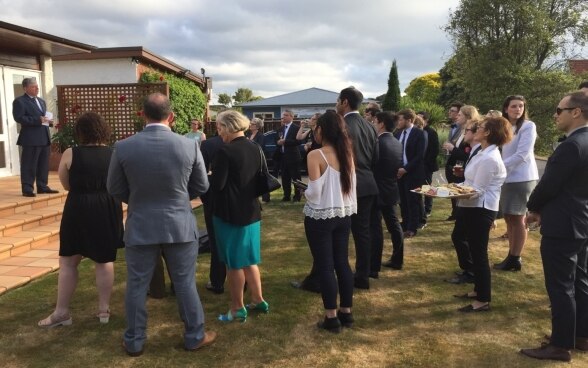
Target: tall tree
x=244, y=95
x=392, y=100
x=225, y=99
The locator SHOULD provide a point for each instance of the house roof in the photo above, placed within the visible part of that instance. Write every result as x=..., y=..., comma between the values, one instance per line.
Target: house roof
x=26, y=41
x=578, y=66
x=310, y=96
x=140, y=55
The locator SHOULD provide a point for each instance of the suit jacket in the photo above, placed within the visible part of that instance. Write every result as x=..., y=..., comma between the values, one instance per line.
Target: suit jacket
x=387, y=165
x=209, y=147
x=157, y=172
x=364, y=139
x=415, y=153
x=432, y=150
x=259, y=139
x=291, y=150
x=233, y=182
x=459, y=153
x=561, y=196
x=26, y=112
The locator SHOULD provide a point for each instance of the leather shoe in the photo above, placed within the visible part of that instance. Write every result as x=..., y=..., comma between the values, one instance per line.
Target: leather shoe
x=548, y=351
x=214, y=289
x=470, y=308
x=28, y=194
x=305, y=286
x=47, y=191
x=285, y=199
x=392, y=265
x=409, y=234
x=374, y=275
x=131, y=353
x=581, y=342
x=208, y=339
x=450, y=218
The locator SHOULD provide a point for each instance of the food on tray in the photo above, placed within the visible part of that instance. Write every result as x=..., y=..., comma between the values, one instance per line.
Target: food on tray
x=446, y=190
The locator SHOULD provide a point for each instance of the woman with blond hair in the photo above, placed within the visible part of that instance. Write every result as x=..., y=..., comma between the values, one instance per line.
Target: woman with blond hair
x=237, y=213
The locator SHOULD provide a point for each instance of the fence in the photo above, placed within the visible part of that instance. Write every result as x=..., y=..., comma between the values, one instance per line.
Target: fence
x=119, y=104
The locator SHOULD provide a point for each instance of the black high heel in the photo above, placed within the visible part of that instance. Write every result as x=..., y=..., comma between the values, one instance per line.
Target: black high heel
x=346, y=319
x=511, y=263
x=330, y=324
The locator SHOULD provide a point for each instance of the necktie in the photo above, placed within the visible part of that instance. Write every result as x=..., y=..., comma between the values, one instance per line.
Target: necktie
x=38, y=103
x=403, y=141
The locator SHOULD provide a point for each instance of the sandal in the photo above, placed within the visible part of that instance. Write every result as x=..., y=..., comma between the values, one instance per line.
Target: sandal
x=53, y=321
x=104, y=317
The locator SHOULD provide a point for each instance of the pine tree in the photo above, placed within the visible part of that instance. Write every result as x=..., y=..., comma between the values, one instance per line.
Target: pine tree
x=392, y=100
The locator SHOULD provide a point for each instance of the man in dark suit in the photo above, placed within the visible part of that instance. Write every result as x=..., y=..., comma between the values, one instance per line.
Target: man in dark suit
x=157, y=172
x=412, y=173
x=290, y=155
x=559, y=204
x=218, y=270
x=454, y=150
x=430, y=159
x=385, y=173
x=364, y=140
x=29, y=111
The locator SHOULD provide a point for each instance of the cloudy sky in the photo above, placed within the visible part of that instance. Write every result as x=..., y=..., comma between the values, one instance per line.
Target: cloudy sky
x=269, y=46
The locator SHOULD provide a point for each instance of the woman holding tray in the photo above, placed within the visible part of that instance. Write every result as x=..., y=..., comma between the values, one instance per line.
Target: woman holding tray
x=485, y=173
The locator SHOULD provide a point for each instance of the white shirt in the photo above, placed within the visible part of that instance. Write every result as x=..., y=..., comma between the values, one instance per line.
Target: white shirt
x=486, y=173
x=325, y=198
x=518, y=155
x=403, y=140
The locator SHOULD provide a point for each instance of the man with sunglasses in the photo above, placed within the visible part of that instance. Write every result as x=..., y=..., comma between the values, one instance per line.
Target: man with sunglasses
x=559, y=203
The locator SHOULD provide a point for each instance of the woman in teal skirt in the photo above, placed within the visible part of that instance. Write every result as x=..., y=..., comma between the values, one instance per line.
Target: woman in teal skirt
x=237, y=213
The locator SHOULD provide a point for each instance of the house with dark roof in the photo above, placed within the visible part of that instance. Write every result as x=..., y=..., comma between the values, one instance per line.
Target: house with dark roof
x=302, y=103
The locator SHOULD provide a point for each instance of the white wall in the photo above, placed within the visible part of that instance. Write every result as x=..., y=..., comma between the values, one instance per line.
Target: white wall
x=103, y=71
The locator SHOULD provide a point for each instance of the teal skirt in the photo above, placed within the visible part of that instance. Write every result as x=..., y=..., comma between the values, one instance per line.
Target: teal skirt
x=238, y=246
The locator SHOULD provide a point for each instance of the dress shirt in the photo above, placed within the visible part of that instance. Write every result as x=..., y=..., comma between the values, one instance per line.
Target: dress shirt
x=286, y=127
x=518, y=155
x=485, y=173
x=403, y=140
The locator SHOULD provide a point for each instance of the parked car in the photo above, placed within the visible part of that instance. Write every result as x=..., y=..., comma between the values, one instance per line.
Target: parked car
x=270, y=139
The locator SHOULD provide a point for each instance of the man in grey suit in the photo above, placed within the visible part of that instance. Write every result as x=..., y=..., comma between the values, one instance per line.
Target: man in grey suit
x=158, y=172
x=29, y=111
x=364, y=140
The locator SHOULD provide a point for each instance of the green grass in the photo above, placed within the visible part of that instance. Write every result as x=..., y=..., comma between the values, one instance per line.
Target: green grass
x=407, y=319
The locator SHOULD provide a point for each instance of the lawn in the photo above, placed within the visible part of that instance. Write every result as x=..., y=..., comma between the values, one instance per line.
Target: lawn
x=407, y=319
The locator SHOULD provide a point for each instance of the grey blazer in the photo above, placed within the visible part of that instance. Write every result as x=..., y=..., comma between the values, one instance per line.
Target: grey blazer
x=364, y=139
x=157, y=172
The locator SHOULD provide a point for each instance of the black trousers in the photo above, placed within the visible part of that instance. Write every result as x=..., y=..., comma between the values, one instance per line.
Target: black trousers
x=411, y=206
x=218, y=270
x=395, y=231
x=290, y=171
x=360, y=228
x=329, y=244
x=34, y=166
x=460, y=242
x=428, y=201
x=565, y=266
x=477, y=222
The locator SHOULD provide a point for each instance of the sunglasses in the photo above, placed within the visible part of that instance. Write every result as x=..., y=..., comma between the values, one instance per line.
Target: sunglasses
x=559, y=110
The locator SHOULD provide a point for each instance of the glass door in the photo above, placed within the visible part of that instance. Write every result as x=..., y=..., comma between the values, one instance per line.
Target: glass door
x=10, y=88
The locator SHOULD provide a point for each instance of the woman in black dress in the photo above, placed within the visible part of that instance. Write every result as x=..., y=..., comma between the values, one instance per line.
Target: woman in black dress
x=91, y=225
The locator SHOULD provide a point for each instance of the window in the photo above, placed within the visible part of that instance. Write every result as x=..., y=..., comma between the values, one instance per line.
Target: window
x=263, y=115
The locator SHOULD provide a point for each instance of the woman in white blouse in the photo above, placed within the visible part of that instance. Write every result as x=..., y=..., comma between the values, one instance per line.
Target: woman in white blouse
x=485, y=173
x=330, y=201
x=521, y=178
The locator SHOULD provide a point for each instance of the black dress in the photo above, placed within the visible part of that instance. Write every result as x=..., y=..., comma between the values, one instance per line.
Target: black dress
x=91, y=224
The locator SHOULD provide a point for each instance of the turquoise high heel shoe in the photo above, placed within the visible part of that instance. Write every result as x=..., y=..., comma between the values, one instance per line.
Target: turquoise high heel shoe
x=240, y=315
x=262, y=306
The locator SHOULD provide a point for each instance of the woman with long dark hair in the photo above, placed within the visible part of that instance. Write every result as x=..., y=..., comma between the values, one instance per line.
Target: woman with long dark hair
x=521, y=178
x=330, y=201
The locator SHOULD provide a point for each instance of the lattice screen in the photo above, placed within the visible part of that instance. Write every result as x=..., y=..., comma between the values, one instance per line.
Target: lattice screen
x=119, y=104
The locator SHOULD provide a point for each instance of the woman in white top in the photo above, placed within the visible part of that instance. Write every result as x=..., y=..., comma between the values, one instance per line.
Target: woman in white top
x=330, y=201
x=521, y=178
x=485, y=172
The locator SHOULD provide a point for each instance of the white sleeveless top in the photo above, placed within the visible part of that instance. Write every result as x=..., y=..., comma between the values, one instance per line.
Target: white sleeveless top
x=325, y=198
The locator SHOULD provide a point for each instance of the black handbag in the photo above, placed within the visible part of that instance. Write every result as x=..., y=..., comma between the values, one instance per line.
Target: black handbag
x=266, y=182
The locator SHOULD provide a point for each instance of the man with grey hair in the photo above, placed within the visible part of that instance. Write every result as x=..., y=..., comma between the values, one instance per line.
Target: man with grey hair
x=290, y=155
x=29, y=111
x=157, y=172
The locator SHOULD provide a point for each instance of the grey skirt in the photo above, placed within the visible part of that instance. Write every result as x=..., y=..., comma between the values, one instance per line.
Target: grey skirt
x=514, y=197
